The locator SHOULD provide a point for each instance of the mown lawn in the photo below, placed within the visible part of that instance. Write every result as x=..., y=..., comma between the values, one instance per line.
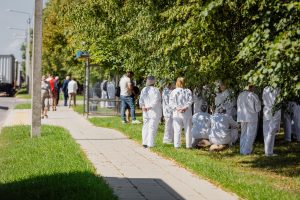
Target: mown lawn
x=49, y=167
x=23, y=106
x=250, y=177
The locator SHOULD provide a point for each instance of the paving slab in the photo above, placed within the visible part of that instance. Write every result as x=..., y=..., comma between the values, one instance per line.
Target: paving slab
x=132, y=171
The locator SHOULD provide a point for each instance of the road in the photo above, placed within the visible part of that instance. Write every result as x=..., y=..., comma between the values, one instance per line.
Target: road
x=6, y=104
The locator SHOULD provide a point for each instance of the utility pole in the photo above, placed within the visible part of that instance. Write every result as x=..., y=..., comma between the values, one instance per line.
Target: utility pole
x=28, y=67
x=37, y=70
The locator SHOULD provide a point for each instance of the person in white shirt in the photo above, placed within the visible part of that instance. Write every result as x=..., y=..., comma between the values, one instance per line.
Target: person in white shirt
x=150, y=102
x=271, y=122
x=291, y=118
x=168, y=115
x=226, y=100
x=181, y=100
x=126, y=97
x=201, y=128
x=223, y=130
x=249, y=106
x=72, y=90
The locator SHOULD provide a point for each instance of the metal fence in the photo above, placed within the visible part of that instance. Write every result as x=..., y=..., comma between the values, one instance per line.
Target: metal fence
x=104, y=107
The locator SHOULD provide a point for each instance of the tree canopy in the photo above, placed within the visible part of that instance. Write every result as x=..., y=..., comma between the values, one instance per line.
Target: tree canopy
x=231, y=40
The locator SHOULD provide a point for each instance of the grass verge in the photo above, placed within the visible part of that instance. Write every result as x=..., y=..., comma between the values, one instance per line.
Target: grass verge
x=49, y=167
x=23, y=96
x=23, y=106
x=250, y=177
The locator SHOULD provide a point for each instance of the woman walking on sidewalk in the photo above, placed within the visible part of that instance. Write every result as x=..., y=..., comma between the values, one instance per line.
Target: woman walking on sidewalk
x=45, y=95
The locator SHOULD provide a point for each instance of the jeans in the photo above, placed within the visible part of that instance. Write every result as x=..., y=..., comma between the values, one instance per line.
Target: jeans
x=66, y=96
x=127, y=101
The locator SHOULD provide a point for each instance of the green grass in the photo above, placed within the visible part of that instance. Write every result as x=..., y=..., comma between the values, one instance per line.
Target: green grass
x=23, y=106
x=49, y=167
x=23, y=96
x=79, y=97
x=250, y=177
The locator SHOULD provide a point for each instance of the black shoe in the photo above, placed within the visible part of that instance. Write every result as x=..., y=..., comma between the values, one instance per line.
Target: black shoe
x=145, y=146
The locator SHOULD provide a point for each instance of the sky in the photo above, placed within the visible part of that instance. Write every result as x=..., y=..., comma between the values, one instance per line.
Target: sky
x=11, y=40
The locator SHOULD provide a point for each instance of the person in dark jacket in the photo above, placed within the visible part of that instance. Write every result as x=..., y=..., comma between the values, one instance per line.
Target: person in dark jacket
x=65, y=90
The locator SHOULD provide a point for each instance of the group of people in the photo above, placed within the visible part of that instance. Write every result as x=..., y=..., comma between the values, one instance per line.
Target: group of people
x=182, y=109
x=50, y=92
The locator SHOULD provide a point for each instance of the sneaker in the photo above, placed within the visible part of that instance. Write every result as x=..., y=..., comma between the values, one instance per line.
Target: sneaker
x=145, y=146
x=124, y=122
x=136, y=122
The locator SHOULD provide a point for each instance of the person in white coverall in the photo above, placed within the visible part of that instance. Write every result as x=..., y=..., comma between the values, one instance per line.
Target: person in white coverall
x=181, y=100
x=271, y=122
x=168, y=115
x=198, y=98
x=292, y=121
x=201, y=128
x=248, y=107
x=226, y=100
x=150, y=102
x=104, y=94
x=111, y=91
x=223, y=130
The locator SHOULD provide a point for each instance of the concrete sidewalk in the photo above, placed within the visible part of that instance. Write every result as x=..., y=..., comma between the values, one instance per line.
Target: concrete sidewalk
x=132, y=171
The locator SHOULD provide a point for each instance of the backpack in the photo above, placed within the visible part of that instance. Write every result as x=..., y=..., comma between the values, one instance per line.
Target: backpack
x=136, y=91
x=118, y=91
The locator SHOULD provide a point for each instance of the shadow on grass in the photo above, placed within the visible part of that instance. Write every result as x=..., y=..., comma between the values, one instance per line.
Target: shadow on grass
x=287, y=162
x=78, y=185
x=86, y=186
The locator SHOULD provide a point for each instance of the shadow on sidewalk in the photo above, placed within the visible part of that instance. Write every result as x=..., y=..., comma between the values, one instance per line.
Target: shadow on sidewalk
x=142, y=188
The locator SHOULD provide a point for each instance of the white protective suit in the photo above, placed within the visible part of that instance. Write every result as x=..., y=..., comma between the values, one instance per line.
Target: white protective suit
x=150, y=98
x=223, y=129
x=226, y=100
x=292, y=121
x=248, y=105
x=201, y=125
x=271, y=123
x=198, y=100
x=168, y=116
x=104, y=95
x=182, y=99
x=111, y=94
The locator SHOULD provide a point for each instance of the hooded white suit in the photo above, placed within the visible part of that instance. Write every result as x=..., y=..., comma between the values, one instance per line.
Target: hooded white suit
x=248, y=105
x=227, y=101
x=111, y=94
x=292, y=121
x=168, y=116
x=223, y=129
x=198, y=100
x=271, y=123
x=181, y=98
x=104, y=95
x=201, y=125
x=150, y=98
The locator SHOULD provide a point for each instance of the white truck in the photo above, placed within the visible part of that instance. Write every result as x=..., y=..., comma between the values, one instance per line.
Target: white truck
x=8, y=75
